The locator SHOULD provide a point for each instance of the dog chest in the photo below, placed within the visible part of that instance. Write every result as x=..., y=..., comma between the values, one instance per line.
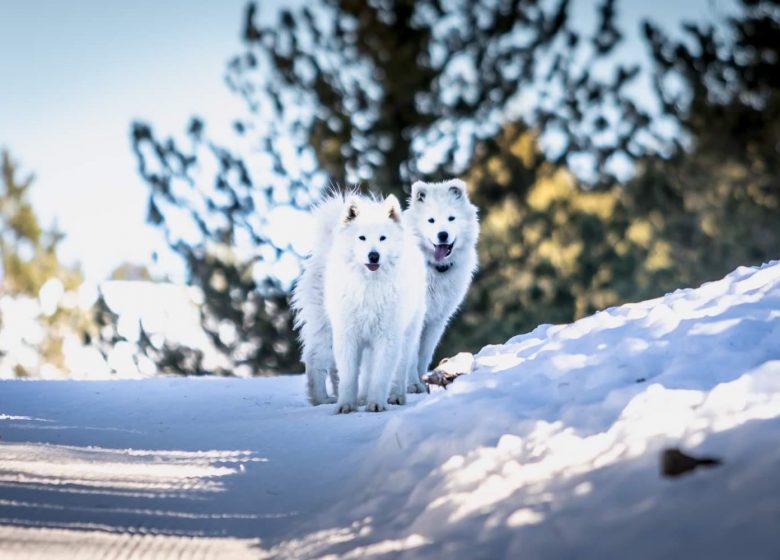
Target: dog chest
x=444, y=294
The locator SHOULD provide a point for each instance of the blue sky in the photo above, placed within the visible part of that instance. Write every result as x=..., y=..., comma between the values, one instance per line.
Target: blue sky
x=76, y=73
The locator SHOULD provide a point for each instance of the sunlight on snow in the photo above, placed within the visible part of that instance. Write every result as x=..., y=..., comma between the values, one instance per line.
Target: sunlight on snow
x=490, y=475
x=93, y=541
x=315, y=545
x=524, y=516
x=537, y=433
x=119, y=469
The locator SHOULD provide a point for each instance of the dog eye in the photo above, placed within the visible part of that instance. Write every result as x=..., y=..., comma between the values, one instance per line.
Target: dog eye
x=451, y=218
x=362, y=237
x=431, y=220
x=382, y=238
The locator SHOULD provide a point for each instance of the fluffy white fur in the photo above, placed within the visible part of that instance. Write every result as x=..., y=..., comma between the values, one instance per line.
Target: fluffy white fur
x=360, y=303
x=308, y=302
x=446, y=227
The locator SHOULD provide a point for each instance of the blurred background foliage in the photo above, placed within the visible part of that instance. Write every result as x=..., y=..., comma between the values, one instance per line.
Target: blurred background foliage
x=593, y=189
x=32, y=271
x=29, y=252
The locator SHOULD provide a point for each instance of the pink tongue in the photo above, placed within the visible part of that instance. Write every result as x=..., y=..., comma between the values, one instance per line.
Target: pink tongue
x=440, y=252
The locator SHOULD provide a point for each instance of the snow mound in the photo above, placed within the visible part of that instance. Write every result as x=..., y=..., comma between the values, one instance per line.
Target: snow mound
x=551, y=447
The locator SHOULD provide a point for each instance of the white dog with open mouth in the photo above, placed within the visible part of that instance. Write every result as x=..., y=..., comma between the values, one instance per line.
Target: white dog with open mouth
x=446, y=226
x=360, y=303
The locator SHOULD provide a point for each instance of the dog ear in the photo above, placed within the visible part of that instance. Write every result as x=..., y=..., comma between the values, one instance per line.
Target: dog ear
x=418, y=191
x=393, y=208
x=457, y=189
x=352, y=211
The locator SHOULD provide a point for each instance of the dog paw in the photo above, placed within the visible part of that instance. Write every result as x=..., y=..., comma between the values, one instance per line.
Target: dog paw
x=346, y=408
x=375, y=407
x=418, y=387
x=397, y=399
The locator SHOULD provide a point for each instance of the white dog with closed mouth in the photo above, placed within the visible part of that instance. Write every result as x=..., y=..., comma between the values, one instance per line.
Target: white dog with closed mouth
x=360, y=303
x=446, y=226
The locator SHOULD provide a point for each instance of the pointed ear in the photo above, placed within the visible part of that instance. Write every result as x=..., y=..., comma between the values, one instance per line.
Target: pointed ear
x=418, y=191
x=393, y=208
x=457, y=189
x=352, y=211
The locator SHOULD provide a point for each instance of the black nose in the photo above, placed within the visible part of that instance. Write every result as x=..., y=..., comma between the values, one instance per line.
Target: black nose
x=443, y=236
x=373, y=257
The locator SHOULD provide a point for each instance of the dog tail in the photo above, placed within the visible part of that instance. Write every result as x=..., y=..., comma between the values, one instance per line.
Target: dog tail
x=326, y=216
x=307, y=294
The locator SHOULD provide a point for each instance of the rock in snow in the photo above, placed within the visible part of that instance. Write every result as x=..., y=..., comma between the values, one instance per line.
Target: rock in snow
x=549, y=448
x=449, y=369
x=676, y=463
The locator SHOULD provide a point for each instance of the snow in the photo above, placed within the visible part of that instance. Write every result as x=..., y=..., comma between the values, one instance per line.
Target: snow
x=236, y=459
x=549, y=448
x=167, y=312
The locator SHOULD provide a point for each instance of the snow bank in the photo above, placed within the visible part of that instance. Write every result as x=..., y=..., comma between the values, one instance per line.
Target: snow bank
x=550, y=448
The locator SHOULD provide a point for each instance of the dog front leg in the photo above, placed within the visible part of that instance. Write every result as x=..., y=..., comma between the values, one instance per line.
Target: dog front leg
x=406, y=371
x=348, y=364
x=430, y=339
x=364, y=378
x=384, y=364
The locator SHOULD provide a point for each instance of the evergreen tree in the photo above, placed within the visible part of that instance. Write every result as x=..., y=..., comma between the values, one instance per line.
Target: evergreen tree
x=382, y=93
x=339, y=92
x=29, y=253
x=719, y=198
x=218, y=227
x=553, y=251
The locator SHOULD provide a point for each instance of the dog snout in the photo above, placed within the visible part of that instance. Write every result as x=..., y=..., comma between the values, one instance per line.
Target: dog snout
x=373, y=257
x=443, y=235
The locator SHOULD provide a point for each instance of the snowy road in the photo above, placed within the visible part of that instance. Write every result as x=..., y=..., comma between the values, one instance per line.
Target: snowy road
x=125, y=468
x=550, y=448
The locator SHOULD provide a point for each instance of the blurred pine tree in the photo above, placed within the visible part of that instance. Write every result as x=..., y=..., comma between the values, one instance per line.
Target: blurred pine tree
x=389, y=92
x=32, y=272
x=29, y=253
x=718, y=198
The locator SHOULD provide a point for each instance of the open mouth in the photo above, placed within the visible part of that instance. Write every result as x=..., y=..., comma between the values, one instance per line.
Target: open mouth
x=441, y=252
x=372, y=267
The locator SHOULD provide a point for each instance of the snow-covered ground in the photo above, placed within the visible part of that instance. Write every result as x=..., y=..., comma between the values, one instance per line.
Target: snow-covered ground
x=168, y=313
x=550, y=448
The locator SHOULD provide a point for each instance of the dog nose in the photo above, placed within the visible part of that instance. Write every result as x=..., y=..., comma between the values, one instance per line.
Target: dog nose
x=373, y=257
x=443, y=236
